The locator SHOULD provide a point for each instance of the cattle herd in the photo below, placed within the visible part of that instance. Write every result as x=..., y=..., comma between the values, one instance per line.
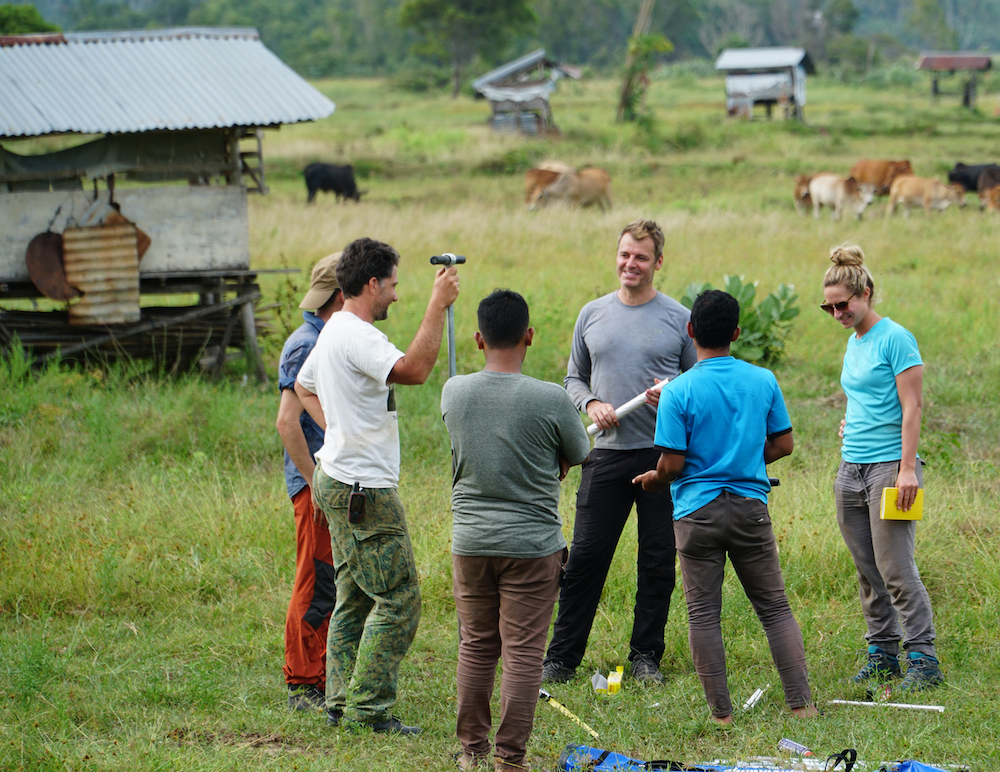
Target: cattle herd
x=591, y=186
x=895, y=179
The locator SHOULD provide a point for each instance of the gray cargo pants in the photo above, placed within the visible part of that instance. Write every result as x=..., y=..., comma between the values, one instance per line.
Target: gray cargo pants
x=883, y=552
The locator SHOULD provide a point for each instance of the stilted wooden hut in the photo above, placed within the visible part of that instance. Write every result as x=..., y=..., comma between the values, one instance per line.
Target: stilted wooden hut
x=767, y=76
x=184, y=109
x=519, y=93
x=950, y=62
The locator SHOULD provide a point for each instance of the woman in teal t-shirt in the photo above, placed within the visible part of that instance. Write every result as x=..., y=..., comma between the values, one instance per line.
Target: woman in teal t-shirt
x=883, y=380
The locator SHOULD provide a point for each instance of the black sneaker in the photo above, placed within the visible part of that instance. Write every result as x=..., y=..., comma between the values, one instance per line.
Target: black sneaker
x=391, y=725
x=922, y=672
x=645, y=670
x=554, y=672
x=879, y=666
x=305, y=697
x=333, y=716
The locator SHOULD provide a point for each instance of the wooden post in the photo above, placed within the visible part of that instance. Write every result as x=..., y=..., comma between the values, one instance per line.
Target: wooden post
x=220, y=360
x=250, y=340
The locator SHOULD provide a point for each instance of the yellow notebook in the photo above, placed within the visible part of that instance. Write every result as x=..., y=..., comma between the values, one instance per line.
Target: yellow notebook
x=891, y=512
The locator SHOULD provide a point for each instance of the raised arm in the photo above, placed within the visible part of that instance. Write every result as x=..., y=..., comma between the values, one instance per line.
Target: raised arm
x=416, y=364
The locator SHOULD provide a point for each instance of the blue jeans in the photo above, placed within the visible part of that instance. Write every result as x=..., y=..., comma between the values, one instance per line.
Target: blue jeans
x=883, y=552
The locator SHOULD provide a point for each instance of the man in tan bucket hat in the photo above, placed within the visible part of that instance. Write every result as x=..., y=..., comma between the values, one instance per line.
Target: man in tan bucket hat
x=314, y=590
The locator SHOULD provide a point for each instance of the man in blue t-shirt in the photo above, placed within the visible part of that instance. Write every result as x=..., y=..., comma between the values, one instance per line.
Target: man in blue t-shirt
x=717, y=426
x=314, y=591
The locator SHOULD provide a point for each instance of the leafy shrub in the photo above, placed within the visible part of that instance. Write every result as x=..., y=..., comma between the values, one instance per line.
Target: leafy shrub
x=689, y=136
x=420, y=79
x=514, y=161
x=850, y=54
x=898, y=74
x=764, y=326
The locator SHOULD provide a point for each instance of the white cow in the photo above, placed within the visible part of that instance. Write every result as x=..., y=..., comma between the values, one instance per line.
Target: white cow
x=839, y=194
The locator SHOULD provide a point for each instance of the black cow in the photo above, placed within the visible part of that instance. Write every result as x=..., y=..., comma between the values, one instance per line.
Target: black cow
x=968, y=176
x=990, y=178
x=336, y=179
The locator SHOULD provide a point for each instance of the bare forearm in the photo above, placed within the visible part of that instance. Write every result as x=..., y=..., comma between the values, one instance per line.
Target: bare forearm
x=297, y=447
x=778, y=447
x=418, y=362
x=310, y=403
x=911, y=437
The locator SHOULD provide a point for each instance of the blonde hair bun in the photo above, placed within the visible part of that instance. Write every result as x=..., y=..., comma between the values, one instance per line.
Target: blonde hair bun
x=847, y=255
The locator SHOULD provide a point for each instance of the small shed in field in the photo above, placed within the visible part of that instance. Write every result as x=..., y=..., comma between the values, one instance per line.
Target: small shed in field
x=950, y=62
x=181, y=111
x=519, y=93
x=767, y=76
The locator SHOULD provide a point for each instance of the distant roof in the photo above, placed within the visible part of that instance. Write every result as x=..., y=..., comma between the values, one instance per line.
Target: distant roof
x=145, y=80
x=763, y=59
x=524, y=64
x=953, y=60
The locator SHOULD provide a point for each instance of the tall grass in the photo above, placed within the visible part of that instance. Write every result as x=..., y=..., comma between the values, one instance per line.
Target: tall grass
x=147, y=547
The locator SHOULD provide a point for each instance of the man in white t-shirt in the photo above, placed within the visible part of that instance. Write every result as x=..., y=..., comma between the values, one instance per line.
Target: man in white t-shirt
x=346, y=385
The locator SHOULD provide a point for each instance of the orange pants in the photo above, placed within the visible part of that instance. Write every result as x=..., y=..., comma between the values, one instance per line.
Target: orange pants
x=314, y=595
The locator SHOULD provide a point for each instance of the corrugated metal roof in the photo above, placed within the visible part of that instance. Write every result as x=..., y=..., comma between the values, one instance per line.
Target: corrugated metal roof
x=525, y=62
x=144, y=80
x=950, y=61
x=762, y=58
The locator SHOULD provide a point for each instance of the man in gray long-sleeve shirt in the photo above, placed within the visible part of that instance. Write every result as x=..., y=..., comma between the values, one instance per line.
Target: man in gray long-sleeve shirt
x=622, y=344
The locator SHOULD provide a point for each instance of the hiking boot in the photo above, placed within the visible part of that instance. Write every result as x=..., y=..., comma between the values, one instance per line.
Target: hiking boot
x=305, y=697
x=467, y=763
x=333, y=716
x=879, y=666
x=391, y=725
x=554, y=672
x=922, y=672
x=645, y=670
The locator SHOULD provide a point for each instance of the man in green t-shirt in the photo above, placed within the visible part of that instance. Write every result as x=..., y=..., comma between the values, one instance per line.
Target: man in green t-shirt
x=513, y=438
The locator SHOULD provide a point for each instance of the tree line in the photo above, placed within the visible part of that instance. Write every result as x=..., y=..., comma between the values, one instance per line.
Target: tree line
x=465, y=37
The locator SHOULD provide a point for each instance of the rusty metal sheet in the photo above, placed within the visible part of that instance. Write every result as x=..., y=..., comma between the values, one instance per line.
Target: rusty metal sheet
x=950, y=62
x=103, y=263
x=142, y=240
x=44, y=258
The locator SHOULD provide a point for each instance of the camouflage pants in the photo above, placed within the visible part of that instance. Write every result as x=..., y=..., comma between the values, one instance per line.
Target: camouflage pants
x=378, y=600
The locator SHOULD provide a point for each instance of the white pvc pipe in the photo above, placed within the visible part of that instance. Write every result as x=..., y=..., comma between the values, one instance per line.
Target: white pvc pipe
x=631, y=406
x=938, y=708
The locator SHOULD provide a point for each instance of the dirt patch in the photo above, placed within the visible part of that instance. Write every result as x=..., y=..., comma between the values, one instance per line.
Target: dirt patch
x=271, y=743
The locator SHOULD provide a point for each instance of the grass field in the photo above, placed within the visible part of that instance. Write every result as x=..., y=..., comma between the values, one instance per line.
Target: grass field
x=147, y=545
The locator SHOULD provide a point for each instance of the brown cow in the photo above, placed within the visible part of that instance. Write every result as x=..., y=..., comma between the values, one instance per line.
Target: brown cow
x=538, y=179
x=991, y=198
x=590, y=185
x=880, y=173
x=839, y=193
x=927, y=192
x=803, y=202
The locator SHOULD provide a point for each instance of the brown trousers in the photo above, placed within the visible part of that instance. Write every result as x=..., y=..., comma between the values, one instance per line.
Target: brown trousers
x=740, y=527
x=504, y=609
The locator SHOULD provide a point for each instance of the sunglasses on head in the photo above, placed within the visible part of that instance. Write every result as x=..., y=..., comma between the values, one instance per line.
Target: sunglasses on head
x=841, y=306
